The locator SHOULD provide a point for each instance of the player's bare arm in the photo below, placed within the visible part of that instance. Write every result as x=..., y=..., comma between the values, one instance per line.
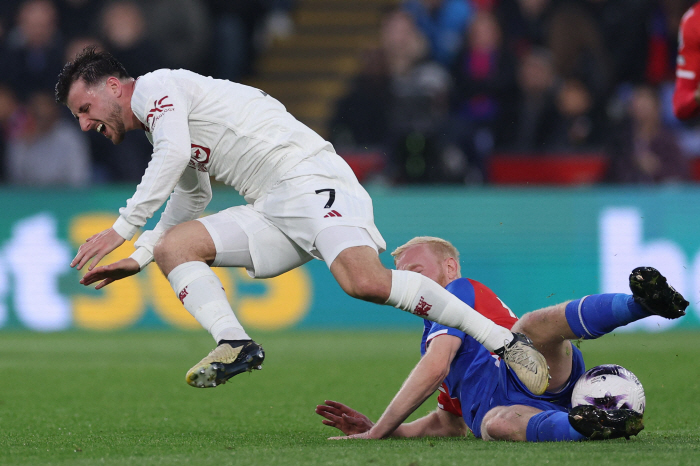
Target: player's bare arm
x=425, y=378
x=96, y=247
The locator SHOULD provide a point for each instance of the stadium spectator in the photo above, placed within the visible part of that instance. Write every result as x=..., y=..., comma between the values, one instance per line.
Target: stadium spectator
x=50, y=151
x=525, y=23
x=12, y=119
x=79, y=18
x=480, y=394
x=419, y=102
x=123, y=28
x=201, y=128
x=361, y=116
x=414, y=105
x=443, y=23
x=535, y=105
x=484, y=91
x=626, y=29
x=34, y=50
x=578, y=126
x=242, y=29
x=180, y=30
x=578, y=51
x=641, y=149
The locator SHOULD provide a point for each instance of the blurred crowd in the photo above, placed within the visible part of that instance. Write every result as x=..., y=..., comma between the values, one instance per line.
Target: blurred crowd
x=455, y=81
x=451, y=83
x=39, y=144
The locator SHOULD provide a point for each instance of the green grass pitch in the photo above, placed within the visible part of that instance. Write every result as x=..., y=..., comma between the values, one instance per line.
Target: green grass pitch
x=120, y=398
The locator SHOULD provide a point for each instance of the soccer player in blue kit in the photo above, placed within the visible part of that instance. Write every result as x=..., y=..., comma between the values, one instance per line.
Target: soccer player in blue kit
x=477, y=391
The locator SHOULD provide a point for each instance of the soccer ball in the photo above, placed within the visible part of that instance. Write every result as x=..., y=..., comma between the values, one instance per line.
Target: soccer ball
x=609, y=387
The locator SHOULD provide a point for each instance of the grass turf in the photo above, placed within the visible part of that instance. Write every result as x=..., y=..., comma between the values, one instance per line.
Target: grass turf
x=120, y=398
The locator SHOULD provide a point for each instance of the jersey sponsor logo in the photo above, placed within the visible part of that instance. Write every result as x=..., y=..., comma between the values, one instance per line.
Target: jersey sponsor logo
x=156, y=113
x=332, y=213
x=182, y=295
x=199, y=158
x=422, y=308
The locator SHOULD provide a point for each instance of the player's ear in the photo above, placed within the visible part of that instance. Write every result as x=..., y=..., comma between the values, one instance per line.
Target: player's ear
x=115, y=85
x=452, y=268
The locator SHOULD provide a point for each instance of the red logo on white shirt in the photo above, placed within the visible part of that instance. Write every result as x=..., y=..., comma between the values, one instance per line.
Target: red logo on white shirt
x=159, y=108
x=199, y=157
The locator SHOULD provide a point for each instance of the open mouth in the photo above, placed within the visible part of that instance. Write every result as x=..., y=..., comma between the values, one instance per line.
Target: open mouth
x=100, y=128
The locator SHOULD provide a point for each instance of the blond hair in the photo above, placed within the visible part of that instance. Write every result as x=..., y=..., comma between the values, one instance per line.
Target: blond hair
x=443, y=249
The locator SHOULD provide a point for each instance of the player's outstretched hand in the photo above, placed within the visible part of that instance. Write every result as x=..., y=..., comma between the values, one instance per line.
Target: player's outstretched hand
x=106, y=274
x=343, y=417
x=97, y=246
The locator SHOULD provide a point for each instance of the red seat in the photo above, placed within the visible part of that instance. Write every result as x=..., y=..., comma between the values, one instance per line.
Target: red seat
x=555, y=169
x=364, y=163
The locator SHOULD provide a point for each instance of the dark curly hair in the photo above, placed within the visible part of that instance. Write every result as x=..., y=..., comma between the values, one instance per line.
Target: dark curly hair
x=92, y=66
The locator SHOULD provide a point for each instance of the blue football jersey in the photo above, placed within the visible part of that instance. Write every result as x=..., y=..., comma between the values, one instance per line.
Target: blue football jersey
x=466, y=372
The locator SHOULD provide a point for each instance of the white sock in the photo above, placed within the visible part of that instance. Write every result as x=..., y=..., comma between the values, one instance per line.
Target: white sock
x=419, y=295
x=201, y=293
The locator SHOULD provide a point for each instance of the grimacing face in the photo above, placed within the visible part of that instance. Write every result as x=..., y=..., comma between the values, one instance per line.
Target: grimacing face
x=97, y=108
x=421, y=259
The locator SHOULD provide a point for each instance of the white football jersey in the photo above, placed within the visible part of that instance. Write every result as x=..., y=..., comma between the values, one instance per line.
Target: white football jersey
x=201, y=127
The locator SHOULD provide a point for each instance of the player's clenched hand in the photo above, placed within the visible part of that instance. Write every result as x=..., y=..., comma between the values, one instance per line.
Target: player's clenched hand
x=97, y=246
x=106, y=274
x=343, y=417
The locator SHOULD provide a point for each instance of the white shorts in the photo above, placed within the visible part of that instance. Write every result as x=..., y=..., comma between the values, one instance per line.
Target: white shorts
x=282, y=225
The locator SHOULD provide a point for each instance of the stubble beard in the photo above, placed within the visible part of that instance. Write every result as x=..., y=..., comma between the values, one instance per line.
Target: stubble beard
x=118, y=128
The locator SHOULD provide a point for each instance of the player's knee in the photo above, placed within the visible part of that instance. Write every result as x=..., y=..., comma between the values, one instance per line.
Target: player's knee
x=541, y=325
x=502, y=423
x=528, y=324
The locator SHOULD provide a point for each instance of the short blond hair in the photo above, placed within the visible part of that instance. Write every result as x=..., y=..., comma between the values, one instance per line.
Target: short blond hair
x=443, y=249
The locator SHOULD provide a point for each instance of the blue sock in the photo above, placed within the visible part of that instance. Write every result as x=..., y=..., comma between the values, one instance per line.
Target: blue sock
x=552, y=426
x=598, y=314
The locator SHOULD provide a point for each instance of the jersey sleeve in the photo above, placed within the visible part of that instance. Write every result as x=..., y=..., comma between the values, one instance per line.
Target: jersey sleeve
x=448, y=403
x=162, y=108
x=463, y=290
x=687, y=66
x=491, y=306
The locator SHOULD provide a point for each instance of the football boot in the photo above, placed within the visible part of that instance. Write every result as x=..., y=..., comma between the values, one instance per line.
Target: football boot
x=527, y=363
x=651, y=290
x=601, y=424
x=224, y=362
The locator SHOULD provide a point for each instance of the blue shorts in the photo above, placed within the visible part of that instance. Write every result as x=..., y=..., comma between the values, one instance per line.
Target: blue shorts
x=509, y=391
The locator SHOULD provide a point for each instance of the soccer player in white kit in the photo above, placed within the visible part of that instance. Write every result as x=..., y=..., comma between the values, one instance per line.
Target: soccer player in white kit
x=304, y=202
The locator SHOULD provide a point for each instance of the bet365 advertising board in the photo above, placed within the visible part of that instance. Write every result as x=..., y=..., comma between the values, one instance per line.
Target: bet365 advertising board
x=533, y=247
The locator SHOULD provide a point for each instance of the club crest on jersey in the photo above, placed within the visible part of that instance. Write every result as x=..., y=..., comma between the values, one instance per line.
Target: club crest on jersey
x=159, y=109
x=199, y=158
x=422, y=308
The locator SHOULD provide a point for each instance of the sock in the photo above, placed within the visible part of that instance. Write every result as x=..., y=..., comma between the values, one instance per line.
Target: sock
x=412, y=292
x=200, y=291
x=551, y=426
x=595, y=315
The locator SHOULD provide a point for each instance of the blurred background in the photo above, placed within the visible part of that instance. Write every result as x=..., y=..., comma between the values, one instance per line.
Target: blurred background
x=536, y=135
